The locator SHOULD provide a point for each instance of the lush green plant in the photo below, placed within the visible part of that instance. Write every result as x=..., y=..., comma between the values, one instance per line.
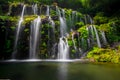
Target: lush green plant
x=79, y=24
x=70, y=42
x=100, y=19
x=83, y=32
x=104, y=55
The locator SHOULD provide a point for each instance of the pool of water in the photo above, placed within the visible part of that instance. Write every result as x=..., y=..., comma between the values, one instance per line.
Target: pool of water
x=44, y=70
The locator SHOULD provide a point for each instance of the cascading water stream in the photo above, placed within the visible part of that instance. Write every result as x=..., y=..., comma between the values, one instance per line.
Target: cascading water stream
x=63, y=47
x=92, y=33
x=63, y=13
x=35, y=9
x=34, y=38
x=97, y=37
x=48, y=11
x=104, y=37
x=63, y=27
x=75, y=47
x=18, y=33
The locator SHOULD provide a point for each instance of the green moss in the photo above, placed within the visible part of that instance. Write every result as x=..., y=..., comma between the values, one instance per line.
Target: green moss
x=28, y=19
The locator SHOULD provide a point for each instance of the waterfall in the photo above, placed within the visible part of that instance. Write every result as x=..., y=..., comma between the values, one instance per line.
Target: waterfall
x=92, y=32
x=103, y=37
x=88, y=41
x=97, y=37
x=48, y=11
x=35, y=9
x=63, y=27
x=56, y=45
x=34, y=38
x=73, y=19
x=63, y=49
x=63, y=13
x=58, y=11
x=75, y=47
x=18, y=33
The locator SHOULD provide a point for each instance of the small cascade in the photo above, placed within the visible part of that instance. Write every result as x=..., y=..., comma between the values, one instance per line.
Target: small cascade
x=34, y=38
x=69, y=23
x=48, y=11
x=63, y=13
x=75, y=47
x=89, y=44
x=63, y=49
x=88, y=40
x=58, y=11
x=92, y=32
x=35, y=9
x=63, y=27
x=97, y=37
x=18, y=33
x=104, y=37
x=73, y=19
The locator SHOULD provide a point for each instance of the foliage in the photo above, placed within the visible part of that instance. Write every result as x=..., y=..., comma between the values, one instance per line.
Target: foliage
x=79, y=24
x=105, y=27
x=70, y=42
x=9, y=18
x=83, y=32
x=4, y=18
x=104, y=55
x=100, y=19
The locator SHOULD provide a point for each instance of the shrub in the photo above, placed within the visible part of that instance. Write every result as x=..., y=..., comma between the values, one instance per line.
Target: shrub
x=104, y=55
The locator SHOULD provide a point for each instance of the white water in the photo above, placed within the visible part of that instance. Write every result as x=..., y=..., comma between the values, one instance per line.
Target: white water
x=35, y=9
x=63, y=13
x=63, y=49
x=75, y=47
x=34, y=38
x=73, y=18
x=92, y=32
x=97, y=37
x=104, y=37
x=48, y=11
x=63, y=27
x=18, y=33
x=88, y=41
x=58, y=11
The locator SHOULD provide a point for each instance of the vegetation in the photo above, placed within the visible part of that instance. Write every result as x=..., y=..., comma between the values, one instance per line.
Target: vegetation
x=105, y=55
